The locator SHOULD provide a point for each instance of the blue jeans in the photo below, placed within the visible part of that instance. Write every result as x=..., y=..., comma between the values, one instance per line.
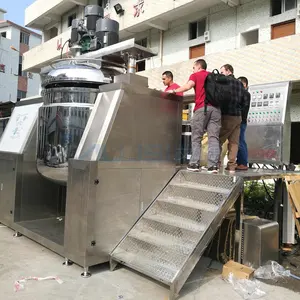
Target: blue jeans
x=242, y=157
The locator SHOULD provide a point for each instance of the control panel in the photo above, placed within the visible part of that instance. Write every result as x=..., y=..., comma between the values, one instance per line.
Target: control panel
x=268, y=104
x=268, y=132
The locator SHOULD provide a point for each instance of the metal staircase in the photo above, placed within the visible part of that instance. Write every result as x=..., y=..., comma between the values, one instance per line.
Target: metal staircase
x=170, y=237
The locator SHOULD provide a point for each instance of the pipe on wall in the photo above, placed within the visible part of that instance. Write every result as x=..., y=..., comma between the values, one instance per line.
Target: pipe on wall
x=161, y=46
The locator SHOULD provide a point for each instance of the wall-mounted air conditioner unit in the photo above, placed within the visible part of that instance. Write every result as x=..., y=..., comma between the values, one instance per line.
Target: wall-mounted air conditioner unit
x=298, y=10
x=207, y=36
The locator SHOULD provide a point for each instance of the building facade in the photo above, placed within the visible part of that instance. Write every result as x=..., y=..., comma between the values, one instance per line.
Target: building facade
x=15, y=83
x=260, y=38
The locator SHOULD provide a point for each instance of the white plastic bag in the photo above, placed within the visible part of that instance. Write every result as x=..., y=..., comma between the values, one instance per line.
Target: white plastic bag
x=248, y=289
x=271, y=270
x=19, y=284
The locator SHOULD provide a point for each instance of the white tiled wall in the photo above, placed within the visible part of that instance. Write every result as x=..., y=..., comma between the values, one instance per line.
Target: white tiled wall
x=225, y=25
x=272, y=61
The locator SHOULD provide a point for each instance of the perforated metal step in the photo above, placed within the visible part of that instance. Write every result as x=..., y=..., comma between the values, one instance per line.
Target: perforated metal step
x=168, y=240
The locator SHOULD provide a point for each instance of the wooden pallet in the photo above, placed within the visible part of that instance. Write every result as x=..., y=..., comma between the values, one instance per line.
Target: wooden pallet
x=293, y=188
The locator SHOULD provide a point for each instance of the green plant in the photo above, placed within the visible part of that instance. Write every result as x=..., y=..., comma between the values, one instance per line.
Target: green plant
x=258, y=199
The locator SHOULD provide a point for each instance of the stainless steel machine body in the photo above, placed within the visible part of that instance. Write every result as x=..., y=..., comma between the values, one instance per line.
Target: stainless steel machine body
x=123, y=161
x=125, y=150
x=260, y=242
x=273, y=126
x=270, y=119
x=22, y=195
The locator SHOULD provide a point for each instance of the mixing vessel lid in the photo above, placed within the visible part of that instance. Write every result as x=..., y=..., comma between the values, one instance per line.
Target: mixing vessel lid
x=76, y=71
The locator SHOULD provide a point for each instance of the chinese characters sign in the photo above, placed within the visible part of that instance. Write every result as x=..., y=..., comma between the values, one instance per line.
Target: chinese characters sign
x=138, y=8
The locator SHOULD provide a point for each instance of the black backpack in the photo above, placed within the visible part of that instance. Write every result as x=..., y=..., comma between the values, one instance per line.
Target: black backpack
x=217, y=89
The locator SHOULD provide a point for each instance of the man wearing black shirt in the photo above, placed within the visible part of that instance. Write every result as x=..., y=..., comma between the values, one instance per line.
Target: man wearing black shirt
x=232, y=117
x=242, y=156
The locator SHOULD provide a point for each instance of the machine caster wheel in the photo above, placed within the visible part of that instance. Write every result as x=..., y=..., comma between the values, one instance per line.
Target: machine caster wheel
x=17, y=234
x=67, y=262
x=86, y=273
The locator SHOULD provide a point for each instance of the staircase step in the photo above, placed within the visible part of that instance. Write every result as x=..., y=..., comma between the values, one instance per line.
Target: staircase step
x=164, y=241
x=176, y=221
x=212, y=180
x=197, y=195
x=187, y=202
x=202, y=187
x=145, y=260
x=183, y=236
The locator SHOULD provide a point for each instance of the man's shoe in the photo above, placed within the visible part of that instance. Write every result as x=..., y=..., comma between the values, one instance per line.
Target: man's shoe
x=204, y=168
x=241, y=168
x=213, y=169
x=193, y=167
x=230, y=169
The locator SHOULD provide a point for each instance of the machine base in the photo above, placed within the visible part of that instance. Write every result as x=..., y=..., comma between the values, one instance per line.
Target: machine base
x=17, y=234
x=86, y=273
x=67, y=262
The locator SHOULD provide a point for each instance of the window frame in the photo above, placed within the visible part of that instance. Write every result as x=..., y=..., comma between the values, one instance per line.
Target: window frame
x=24, y=38
x=283, y=7
x=197, y=23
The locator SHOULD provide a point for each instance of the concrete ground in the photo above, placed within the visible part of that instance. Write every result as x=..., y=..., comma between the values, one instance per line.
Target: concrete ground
x=21, y=257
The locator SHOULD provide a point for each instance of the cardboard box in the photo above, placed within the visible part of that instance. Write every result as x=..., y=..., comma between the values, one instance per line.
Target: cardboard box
x=239, y=271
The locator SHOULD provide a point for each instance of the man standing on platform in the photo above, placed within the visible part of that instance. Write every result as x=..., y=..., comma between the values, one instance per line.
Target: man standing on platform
x=201, y=121
x=167, y=78
x=242, y=156
x=232, y=117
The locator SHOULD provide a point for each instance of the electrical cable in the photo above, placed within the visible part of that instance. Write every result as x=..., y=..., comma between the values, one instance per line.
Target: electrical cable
x=62, y=49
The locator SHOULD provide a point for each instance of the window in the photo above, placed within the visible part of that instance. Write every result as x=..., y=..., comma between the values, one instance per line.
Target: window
x=280, y=6
x=249, y=38
x=53, y=32
x=197, y=29
x=3, y=34
x=21, y=95
x=142, y=42
x=24, y=38
x=20, y=70
x=103, y=3
x=20, y=65
x=141, y=66
x=70, y=19
x=283, y=29
x=197, y=51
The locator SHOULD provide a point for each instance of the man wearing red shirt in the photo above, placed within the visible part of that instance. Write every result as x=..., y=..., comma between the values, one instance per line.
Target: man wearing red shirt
x=209, y=121
x=167, y=78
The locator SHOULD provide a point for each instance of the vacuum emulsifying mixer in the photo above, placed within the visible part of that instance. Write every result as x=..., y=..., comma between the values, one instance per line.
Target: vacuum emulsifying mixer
x=82, y=162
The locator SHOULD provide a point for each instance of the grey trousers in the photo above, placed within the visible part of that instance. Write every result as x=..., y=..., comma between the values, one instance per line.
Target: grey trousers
x=211, y=122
